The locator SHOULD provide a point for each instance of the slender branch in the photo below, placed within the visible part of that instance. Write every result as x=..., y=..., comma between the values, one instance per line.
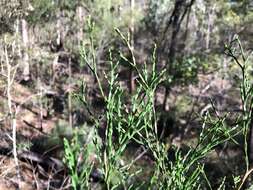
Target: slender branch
x=245, y=178
x=12, y=115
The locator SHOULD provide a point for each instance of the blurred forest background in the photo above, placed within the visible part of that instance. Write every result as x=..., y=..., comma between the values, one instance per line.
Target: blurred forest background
x=46, y=49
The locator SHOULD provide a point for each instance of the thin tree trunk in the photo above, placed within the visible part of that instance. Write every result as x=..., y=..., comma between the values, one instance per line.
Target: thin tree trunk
x=69, y=94
x=58, y=30
x=25, y=56
x=165, y=107
x=250, y=144
x=131, y=31
x=80, y=23
x=12, y=115
x=40, y=89
x=186, y=29
x=56, y=46
x=176, y=19
x=209, y=24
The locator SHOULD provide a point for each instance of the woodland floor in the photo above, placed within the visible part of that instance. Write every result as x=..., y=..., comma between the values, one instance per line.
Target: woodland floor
x=40, y=151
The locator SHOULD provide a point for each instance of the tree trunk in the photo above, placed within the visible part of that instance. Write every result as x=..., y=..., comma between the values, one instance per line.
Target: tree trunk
x=180, y=10
x=58, y=30
x=25, y=56
x=185, y=36
x=131, y=31
x=250, y=144
x=165, y=106
x=80, y=23
x=209, y=24
x=70, y=93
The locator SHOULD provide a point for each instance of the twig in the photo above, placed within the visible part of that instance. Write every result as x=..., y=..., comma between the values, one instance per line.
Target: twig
x=245, y=177
x=35, y=128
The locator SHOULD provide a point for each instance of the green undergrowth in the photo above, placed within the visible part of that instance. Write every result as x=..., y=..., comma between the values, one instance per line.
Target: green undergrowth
x=133, y=121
